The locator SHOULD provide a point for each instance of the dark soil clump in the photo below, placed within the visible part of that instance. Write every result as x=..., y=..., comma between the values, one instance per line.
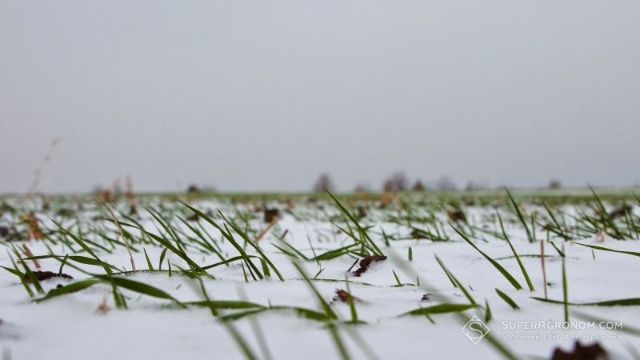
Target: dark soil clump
x=46, y=275
x=581, y=352
x=366, y=262
x=270, y=215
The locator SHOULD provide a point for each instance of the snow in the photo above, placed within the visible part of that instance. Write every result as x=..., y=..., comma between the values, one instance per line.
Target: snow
x=70, y=327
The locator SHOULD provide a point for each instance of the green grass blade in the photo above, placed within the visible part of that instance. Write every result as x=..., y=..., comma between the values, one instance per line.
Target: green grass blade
x=507, y=299
x=495, y=264
x=440, y=309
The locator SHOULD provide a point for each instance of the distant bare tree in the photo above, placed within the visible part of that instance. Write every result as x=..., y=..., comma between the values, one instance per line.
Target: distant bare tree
x=193, y=189
x=555, y=184
x=445, y=184
x=474, y=186
x=361, y=188
x=418, y=186
x=395, y=182
x=323, y=183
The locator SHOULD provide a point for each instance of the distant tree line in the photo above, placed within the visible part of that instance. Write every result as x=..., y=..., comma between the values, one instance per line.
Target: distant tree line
x=398, y=182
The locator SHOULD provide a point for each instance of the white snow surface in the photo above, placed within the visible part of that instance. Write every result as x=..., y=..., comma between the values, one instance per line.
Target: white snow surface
x=70, y=327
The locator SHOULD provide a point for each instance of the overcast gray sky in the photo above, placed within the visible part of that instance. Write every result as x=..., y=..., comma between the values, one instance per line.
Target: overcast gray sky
x=265, y=95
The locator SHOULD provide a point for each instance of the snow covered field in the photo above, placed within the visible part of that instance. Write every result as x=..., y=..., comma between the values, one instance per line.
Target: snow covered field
x=410, y=276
